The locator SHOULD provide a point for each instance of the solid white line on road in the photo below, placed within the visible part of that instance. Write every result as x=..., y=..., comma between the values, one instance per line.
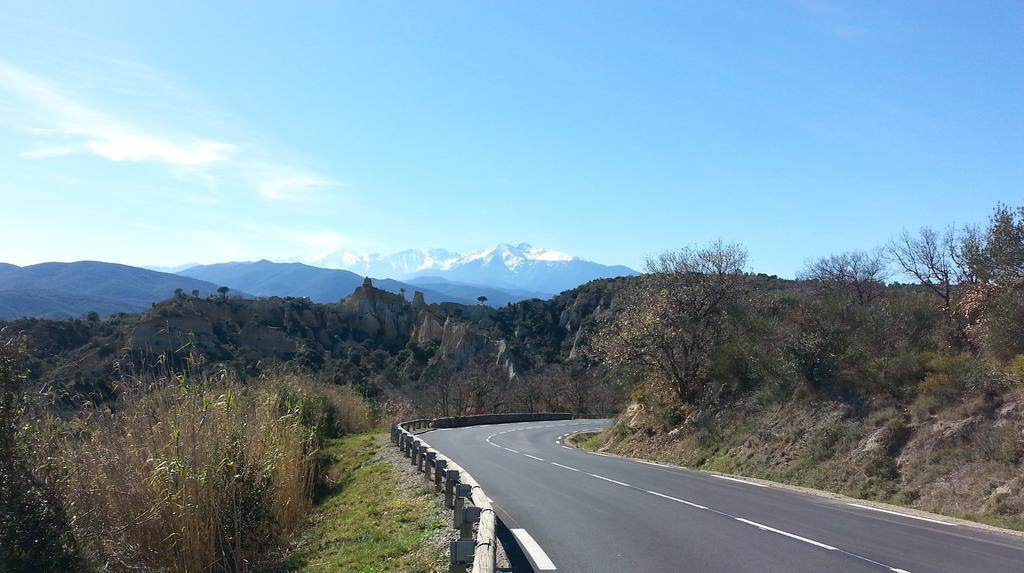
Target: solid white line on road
x=565, y=467
x=666, y=466
x=534, y=457
x=568, y=448
x=740, y=480
x=609, y=479
x=683, y=501
x=540, y=559
x=901, y=514
x=786, y=533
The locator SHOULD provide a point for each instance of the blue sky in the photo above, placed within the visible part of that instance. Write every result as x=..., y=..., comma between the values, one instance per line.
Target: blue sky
x=214, y=131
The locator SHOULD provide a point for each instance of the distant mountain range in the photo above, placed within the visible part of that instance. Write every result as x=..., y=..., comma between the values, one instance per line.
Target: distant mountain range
x=503, y=274
x=520, y=267
x=70, y=290
x=266, y=278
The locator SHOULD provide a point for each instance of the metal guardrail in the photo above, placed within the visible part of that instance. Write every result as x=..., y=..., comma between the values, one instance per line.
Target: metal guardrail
x=462, y=494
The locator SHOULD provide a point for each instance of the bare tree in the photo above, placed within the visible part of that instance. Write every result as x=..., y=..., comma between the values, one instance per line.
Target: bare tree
x=857, y=274
x=926, y=256
x=672, y=318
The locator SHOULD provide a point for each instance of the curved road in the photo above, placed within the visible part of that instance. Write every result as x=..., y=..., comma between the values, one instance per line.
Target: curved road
x=591, y=513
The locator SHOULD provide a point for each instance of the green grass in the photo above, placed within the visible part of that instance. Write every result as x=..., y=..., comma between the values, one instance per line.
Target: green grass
x=366, y=521
x=590, y=441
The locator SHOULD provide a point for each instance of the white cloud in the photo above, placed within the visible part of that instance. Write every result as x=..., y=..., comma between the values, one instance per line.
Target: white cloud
x=44, y=152
x=100, y=134
x=293, y=186
x=61, y=124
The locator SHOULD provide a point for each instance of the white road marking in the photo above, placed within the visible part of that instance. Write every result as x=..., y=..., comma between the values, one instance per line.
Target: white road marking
x=609, y=479
x=540, y=559
x=786, y=533
x=565, y=467
x=740, y=480
x=544, y=563
x=510, y=450
x=666, y=466
x=683, y=501
x=901, y=514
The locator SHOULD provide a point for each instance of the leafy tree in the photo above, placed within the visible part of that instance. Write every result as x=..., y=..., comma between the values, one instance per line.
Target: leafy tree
x=481, y=299
x=223, y=291
x=195, y=293
x=670, y=320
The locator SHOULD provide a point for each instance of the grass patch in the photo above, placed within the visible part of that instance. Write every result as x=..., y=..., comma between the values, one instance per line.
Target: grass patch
x=366, y=519
x=590, y=441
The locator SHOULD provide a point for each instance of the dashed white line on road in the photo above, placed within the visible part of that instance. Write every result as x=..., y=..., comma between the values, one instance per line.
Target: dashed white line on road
x=564, y=467
x=509, y=450
x=540, y=560
x=676, y=499
x=568, y=448
x=786, y=533
x=534, y=457
x=901, y=514
x=609, y=479
x=740, y=480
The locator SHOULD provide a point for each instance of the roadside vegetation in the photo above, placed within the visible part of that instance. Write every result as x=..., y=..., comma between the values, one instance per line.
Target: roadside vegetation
x=370, y=517
x=189, y=471
x=908, y=393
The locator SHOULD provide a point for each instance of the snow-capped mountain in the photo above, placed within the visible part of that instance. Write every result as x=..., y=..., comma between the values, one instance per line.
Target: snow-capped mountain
x=521, y=266
x=401, y=264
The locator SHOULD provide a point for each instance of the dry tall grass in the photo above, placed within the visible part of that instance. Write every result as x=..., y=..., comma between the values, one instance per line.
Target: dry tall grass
x=195, y=475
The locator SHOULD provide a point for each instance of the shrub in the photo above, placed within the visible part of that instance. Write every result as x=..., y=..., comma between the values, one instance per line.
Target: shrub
x=196, y=474
x=33, y=527
x=1016, y=368
x=949, y=377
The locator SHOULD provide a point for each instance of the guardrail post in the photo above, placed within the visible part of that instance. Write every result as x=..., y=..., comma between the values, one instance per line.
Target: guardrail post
x=414, y=452
x=450, y=477
x=440, y=466
x=470, y=515
x=462, y=491
x=461, y=553
x=422, y=457
x=431, y=460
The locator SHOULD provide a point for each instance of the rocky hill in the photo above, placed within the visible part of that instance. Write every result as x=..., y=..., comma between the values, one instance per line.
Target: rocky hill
x=373, y=338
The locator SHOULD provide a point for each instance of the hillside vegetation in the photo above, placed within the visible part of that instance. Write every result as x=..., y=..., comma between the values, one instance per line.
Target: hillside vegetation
x=906, y=393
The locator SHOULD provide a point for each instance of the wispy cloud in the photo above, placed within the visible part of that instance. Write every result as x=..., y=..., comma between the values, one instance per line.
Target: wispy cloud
x=95, y=132
x=292, y=186
x=61, y=124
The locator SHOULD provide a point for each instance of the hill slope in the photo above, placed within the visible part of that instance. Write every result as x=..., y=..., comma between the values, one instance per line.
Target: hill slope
x=65, y=290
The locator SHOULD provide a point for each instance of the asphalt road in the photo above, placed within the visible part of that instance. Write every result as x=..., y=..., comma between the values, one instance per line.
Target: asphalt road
x=591, y=513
